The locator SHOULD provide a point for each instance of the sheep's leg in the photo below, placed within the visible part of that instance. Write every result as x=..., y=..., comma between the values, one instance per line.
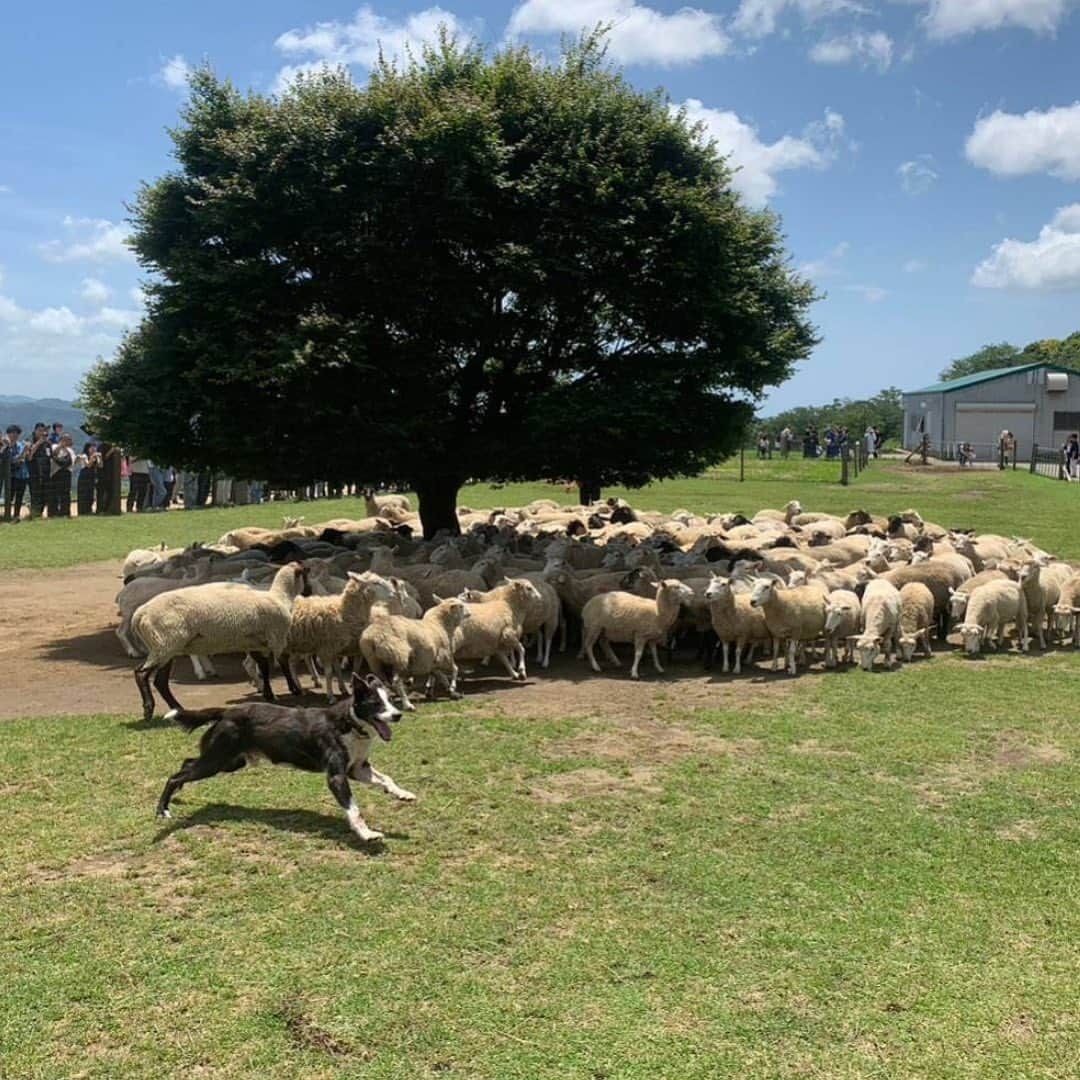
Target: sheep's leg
x=285, y=662
x=587, y=644
x=123, y=632
x=313, y=671
x=328, y=672
x=775, y=653
x=563, y=628
x=504, y=659
x=142, y=681
x=250, y=670
x=610, y=652
x=398, y=685
x=740, y=644
x=1039, y=633
x=161, y=685
x=262, y=662
x=366, y=773
x=725, y=667
x=340, y=676
x=639, y=649
x=830, y=652
x=208, y=667
x=549, y=636
x=793, y=650
x=655, y=658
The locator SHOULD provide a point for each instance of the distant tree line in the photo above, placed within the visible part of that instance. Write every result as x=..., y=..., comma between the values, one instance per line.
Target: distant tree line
x=1065, y=352
x=882, y=411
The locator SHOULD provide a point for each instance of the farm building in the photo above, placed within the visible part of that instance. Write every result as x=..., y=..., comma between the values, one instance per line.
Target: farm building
x=1038, y=403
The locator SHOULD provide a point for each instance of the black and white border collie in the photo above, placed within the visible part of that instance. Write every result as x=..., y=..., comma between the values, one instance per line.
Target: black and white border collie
x=334, y=740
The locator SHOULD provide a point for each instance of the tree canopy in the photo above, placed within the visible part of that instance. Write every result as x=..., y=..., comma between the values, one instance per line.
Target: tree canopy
x=471, y=267
x=1065, y=351
x=883, y=411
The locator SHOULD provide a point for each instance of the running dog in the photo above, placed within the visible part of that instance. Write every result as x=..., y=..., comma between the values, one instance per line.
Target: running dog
x=334, y=740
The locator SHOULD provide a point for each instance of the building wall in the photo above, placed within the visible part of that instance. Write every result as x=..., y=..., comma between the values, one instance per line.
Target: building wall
x=955, y=415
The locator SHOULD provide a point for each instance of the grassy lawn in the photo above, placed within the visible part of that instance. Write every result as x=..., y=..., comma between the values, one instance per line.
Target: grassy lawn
x=870, y=876
x=1011, y=501
x=839, y=876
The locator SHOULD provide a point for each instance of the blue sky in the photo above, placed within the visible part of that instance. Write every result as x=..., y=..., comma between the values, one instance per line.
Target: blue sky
x=924, y=154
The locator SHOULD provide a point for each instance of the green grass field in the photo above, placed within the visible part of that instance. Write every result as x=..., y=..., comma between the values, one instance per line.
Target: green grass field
x=839, y=876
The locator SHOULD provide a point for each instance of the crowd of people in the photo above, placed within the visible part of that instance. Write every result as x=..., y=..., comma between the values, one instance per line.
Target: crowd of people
x=45, y=475
x=831, y=445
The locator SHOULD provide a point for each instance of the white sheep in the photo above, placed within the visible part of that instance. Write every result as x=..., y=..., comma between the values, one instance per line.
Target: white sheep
x=795, y=616
x=881, y=608
x=542, y=618
x=141, y=589
x=1067, y=609
x=207, y=620
x=396, y=648
x=735, y=621
x=991, y=607
x=843, y=622
x=916, y=619
x=623, y=617
x=1035, y=597
x=377, y=505
x=327, y=628
x=497, y=627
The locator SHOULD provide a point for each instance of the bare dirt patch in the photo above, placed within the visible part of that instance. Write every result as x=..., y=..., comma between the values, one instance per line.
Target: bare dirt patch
x=65, y=659
x=1011, y=751
x=595, y=783
x=649, y=739
x=1018, y=832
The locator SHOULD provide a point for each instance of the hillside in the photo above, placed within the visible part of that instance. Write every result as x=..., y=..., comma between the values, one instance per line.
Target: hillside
x=26, y=412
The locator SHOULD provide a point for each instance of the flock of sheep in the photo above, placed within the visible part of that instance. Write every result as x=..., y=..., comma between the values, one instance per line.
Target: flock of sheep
x=414, y=612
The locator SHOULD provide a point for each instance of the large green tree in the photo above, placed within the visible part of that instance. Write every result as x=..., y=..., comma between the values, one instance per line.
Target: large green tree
x=1063, y=351
x=471, y=267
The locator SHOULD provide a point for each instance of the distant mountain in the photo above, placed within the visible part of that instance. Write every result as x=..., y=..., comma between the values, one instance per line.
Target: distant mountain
x=26, y=412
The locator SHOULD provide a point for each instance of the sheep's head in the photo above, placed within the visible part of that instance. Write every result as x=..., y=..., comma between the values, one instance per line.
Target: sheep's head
x=374, y=589
x=919, y=556
x=912, y=517
x=972, y=635
x=958, y=602
x=454, y=611
x=819, y=538
x=793, y=508
x=291, y=522
x=763, y=591
x=835, y=615
x=673, y=588
x=523, y=590
x=1030, y=571
x=908, y=643
x=796, y=578
x=1063, y=617
x=866, y=650
x=718, y=588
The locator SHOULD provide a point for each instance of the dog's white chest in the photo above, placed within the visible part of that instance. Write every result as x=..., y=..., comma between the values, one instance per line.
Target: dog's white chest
x=357, y=747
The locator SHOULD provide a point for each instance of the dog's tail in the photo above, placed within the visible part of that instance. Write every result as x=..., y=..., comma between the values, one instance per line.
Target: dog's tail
x=190, y=719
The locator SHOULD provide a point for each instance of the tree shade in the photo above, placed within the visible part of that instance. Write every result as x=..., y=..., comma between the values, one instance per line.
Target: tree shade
x=469, y=268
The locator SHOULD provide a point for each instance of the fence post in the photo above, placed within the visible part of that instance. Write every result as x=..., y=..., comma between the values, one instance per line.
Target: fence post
x=1034, y=457
x=1001, y=453
x=742, y=464
x=844, y=467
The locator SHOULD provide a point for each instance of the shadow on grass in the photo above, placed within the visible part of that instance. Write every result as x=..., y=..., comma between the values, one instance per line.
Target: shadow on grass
x=307, y=822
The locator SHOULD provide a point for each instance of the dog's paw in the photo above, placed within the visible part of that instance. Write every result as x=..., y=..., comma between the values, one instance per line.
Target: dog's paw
x=163, y=814
x=369, y=836
x=404, y=796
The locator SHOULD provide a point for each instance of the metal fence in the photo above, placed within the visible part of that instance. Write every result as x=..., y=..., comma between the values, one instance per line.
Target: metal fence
x=1039, y=461
x=770, y=462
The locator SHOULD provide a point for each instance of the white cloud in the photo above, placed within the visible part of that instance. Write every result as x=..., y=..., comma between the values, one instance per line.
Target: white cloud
x=872, y=294
x=756, y=162
x=638, y=34
x=174, y=73
x=951, y=18
x=1010, y=144
x=917, y=177
x=361, y=40
x=1049, y=263
x=120, y=318
x=758, y=18
x=94, y=239
x=97, y=292
x=138, y=297
x=10, y=312
x=827, y=265
x=915, y=266
x=867, y=50
x=61, y=320
x=4, y=189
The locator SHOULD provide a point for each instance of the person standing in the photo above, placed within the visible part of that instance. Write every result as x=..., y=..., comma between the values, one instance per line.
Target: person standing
x=37, y=457
x=87, y=481
x=61, y=461
x=1072, y=456
x=138, y=485
x=787, y=436
x=20, y=472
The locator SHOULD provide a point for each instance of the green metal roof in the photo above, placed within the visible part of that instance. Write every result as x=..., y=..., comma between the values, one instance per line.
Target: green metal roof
x=985, y=376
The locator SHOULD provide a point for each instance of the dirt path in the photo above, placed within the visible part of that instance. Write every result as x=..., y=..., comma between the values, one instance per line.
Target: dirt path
x=61, y=657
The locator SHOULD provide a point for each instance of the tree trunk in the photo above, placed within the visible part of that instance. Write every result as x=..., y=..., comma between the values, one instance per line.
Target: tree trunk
x=437, y=497
x=588, y=492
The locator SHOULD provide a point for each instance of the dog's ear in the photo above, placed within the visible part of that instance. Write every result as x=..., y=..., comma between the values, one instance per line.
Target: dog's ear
x=360, y=687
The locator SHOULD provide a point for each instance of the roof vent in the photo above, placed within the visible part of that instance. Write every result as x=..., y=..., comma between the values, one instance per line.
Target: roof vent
x=1057, y=382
